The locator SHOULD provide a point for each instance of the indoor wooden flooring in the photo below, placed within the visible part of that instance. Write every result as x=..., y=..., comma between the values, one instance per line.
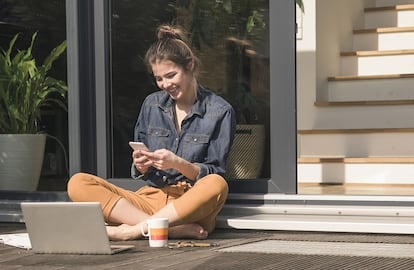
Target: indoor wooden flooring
x=355, y=189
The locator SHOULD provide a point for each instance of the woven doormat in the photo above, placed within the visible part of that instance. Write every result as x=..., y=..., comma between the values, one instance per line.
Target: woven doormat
x=326, y=248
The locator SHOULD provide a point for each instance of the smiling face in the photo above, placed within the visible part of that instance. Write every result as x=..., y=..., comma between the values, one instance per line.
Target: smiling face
x=175, y=80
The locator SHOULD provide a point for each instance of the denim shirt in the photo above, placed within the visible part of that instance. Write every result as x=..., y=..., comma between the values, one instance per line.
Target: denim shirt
x=205, y=139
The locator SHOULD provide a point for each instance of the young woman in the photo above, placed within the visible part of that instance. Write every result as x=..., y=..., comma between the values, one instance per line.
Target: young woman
x=189, y=131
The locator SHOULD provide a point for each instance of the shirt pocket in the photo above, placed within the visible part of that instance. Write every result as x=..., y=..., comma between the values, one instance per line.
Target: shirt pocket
x=158, y=138
x=195, y=147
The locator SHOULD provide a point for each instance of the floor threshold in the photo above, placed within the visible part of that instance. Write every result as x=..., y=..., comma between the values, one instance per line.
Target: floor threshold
x=319, y=223
x=309, y=213
x=279, y=198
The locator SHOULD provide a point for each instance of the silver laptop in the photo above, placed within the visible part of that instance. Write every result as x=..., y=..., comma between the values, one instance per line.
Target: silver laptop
x=68, y=227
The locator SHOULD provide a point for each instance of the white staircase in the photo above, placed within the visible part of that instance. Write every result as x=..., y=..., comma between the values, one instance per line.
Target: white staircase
x=365, y=128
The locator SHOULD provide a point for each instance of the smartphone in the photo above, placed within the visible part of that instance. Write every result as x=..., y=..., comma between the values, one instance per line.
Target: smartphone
x=138, y=146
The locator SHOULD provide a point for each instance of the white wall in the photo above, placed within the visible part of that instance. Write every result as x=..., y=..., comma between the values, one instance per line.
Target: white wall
x=306, y=67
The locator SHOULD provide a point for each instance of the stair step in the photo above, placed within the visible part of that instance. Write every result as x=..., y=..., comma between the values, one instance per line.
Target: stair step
x=363, y=103
x=396, y=7
x=357, y=160
x=383, y=39
x=378, y=53
x=10, y=210
x=19, y=196
x=373, y=88
x=11, y=216
x=389, y=16
x=384, y=30
x=309, y=209
x=377, y=62
x=362, y=115
x=371, y=77
x=385, y=3
x=324, y=199
x=307, y=217
x=355, y=131
x=356, y=143
x=357, y=172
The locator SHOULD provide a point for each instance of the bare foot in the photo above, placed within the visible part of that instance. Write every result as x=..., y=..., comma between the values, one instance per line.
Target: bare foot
x=127, y=232
x=192, y=231
x=123, y=232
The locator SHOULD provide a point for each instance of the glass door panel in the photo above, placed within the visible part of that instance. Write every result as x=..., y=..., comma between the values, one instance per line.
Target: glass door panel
x=231, y=38
x=48, y=19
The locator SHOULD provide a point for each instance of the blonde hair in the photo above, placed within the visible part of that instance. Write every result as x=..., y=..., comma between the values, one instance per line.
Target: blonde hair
x=172, y=45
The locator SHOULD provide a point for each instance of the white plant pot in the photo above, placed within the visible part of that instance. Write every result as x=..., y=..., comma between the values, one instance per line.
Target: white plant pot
x=21, y=159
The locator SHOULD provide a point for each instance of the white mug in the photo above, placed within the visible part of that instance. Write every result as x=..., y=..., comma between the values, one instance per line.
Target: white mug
x=157, y=231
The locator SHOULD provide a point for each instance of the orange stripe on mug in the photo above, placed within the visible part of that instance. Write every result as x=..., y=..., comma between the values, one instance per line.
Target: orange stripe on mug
x=158, y=233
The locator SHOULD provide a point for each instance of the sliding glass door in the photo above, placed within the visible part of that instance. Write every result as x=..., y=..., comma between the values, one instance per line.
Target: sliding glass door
x=231, y=38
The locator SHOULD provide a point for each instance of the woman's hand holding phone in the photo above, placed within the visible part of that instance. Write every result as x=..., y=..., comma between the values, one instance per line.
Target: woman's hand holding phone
x=141, y=162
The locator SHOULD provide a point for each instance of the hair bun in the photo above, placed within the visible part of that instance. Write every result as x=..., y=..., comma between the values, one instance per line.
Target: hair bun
x=170, y=32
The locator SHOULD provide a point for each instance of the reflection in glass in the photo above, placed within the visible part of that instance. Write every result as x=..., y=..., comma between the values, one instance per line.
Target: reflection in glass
x=48, y=18
x=231, y=40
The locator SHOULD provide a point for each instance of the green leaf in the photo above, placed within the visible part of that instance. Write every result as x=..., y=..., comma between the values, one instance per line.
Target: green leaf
x=300, y=4
x=25, y=87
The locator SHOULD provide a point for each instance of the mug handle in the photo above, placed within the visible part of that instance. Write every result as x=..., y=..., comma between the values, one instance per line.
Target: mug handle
x=142, y=229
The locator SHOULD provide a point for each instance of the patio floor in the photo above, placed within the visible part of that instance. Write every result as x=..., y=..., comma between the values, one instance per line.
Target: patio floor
x=237, y=249
x=261, y=257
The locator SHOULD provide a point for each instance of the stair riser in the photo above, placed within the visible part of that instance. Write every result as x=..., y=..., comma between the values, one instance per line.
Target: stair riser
x=389, y=18
x=356, y=145
x=356, y=173
x=348, y=117
x=381, y=89
x=377, y=65
x=383, y=41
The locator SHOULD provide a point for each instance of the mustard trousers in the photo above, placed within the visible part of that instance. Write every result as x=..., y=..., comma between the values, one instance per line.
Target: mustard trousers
x=199, y=204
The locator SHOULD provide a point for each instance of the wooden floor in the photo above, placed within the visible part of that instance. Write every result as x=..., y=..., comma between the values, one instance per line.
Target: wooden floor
x=355, y=189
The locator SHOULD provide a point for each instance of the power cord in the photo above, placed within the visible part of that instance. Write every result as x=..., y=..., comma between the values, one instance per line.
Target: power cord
x=63, y=149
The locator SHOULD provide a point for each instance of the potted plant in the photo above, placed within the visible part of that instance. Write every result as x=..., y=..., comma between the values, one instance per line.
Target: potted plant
x=25, y=88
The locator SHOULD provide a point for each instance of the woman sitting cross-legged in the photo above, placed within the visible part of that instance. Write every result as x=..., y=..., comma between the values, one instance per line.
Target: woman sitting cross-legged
x=189, y=131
